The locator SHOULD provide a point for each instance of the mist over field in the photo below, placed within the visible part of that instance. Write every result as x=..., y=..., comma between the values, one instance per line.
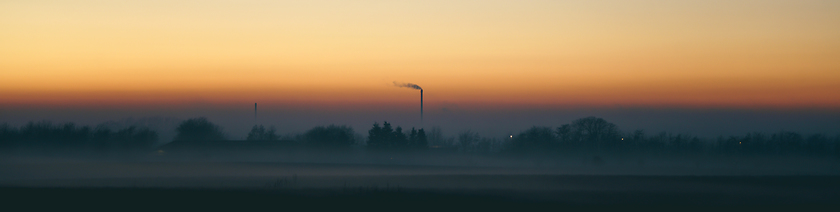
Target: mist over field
x=200, y=155
x=452, y=119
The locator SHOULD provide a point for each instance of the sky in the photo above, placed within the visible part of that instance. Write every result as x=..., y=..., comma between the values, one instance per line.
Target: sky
x=80, y=59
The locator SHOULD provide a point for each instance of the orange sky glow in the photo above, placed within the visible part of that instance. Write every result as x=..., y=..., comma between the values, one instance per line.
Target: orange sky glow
x=747, y=54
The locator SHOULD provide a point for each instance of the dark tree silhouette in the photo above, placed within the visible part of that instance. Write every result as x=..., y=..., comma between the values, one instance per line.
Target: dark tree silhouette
x=417, y=139
x=136, y=138
x=436, y=139
x=101, y=139
x=420, y=141
x=535, y=139
x=564, y=133
x=384, y=137
x=582, y=136
x=7, y=136
x=131, y=138
x=394, y=139
x=258, y=133
x=398, y=139
x=330, y=137
x=378, y=136
x=467, y=140
x=46, y=135
x=198, y=129
x=592, y=129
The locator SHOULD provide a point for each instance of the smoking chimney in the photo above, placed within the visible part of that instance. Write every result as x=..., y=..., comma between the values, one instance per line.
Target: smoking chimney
x=416, y=87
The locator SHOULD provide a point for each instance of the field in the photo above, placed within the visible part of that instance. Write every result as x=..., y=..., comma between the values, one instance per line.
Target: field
x=205, y=184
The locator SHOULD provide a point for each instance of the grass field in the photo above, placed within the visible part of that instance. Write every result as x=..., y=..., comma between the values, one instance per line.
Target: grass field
x=161, y=185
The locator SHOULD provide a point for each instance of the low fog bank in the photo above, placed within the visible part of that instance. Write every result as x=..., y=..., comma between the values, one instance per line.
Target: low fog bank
x=214, y=163
x=452, y=118
x=45, y=153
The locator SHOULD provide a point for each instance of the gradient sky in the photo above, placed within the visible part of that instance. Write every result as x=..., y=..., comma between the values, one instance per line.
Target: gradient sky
x=766, y=54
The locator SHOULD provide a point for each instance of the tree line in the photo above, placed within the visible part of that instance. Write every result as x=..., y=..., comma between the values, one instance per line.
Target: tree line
x=48, y=135
x=589, y=134
x=592, y=134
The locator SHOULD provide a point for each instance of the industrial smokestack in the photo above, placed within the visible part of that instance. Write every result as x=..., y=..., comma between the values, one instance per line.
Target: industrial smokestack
x=255, y=112
x=413, y=86
x=408, y=85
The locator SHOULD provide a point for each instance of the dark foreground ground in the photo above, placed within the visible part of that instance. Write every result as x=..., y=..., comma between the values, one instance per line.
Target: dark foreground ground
x=152, y=184
x=680, y=193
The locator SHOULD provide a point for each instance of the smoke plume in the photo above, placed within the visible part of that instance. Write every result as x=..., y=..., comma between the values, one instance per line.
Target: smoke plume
x=408, y=85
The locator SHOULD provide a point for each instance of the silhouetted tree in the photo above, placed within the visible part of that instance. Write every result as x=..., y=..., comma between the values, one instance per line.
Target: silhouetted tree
x=258, y=133
x=331, y=136
x=387, y=138
x=46, y=135
x=593, y=132
x=398, y=139
x=131, y=138
x=198, y=129
x=535, y=139
x=102, y=139
x=816, y=144
x=378, y=136
x=564, y=133
x=594, y=129
x=638, y=135
x=135, y=138
x=7, y=136
x=420, y=141
x=412, y=137
x=467, y=140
